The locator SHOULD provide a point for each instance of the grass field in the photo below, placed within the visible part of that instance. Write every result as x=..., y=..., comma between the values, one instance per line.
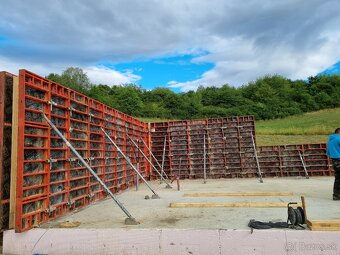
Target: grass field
x=289, y=139
x=151, y=119
x=311, y=127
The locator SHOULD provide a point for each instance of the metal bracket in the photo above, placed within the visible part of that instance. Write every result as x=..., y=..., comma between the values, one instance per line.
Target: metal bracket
x=91, y=115
x=50, y=209
x=71, y=109
x=50, y=161
x=70, y=202
x=52, y=104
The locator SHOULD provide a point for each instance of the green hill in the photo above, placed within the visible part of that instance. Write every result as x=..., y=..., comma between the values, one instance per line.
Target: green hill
x=311, y=127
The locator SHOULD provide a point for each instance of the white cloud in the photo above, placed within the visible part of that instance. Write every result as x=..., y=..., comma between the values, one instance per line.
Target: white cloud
x=97, y=74
x=13, y=67
x=245, y=39
x=104, y=75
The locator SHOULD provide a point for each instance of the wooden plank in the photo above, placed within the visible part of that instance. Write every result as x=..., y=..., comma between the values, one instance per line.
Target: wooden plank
x=325, y=223
x=319, y=228
x=14, y=152
x=236, y=194
x=241, y=204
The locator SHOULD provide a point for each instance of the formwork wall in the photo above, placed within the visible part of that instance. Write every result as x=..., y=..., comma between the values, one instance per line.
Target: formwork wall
x=226, y=143
x=229, y=152
x=6, y=94
x=285, y=160
x=50, y=179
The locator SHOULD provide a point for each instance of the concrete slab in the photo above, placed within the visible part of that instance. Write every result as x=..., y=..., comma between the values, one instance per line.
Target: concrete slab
x=170, y=241
x=155, y=213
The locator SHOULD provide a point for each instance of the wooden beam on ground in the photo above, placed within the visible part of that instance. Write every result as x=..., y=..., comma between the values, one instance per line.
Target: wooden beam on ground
x=324, y=225
x=238, y=194
x=324, y=228
x=14, y=156
x=236, y=204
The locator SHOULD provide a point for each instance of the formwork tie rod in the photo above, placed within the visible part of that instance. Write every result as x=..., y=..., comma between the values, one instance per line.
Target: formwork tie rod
x=153, y=156
x=133, y=142
x=130, y=220
x=155, y=195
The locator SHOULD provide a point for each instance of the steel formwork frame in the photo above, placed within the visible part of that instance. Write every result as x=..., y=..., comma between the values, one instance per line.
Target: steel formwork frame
x=228, y=140
x=50, y=179
x=284, y=160
x=6, y=94
x=230, y=151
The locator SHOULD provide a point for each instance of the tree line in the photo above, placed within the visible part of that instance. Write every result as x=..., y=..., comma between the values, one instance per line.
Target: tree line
x=267, y=97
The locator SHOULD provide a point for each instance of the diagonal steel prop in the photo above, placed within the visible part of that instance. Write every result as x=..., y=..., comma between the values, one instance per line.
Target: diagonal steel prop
x=163, y=158
x=153, y=156
x=304, y=166
x=130, y=220
x=133, y=142
x=155, y=195
x=204, y=162
x=257, y=160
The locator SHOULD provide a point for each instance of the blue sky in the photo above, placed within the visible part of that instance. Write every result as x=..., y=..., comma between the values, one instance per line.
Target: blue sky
x=180, y=44
x=334, y=69
x=164, y=71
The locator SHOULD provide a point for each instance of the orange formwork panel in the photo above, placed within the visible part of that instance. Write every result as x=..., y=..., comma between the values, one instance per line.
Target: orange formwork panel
x=51, y=180
x=285, y=160
x=179, y=146
x=6, y=94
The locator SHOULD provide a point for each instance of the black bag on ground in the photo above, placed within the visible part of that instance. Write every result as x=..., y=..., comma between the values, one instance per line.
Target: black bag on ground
x=266, y=225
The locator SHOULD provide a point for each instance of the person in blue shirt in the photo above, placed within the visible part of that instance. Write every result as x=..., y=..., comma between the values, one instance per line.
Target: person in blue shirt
x=333, y=151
